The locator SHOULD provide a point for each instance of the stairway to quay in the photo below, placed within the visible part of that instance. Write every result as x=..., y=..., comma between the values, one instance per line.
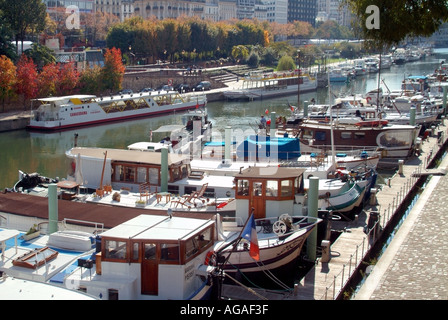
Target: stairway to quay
x=365, y=262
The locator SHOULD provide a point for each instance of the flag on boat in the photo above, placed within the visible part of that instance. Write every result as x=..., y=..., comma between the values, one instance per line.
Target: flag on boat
x=291, y=107
x=250, y=233
x=266, y=111
x=197, y=105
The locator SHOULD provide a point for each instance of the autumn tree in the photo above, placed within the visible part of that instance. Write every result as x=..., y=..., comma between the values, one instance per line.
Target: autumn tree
x=47, y=80
x=7, y=79
x=113, y=70
x=68, y=78
x=27, y=78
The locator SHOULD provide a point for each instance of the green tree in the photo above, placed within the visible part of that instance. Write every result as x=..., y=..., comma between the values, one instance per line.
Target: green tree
x=41, y=55
x=90, y=81
x=286, y=63
x=240, y=52
x=23, y=16
x=398, y=19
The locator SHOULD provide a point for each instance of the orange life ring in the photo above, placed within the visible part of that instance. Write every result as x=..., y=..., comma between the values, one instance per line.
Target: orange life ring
x=210, y=259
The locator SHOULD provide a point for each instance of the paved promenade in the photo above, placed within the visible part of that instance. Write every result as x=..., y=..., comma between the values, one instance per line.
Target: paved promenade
x=415, y=264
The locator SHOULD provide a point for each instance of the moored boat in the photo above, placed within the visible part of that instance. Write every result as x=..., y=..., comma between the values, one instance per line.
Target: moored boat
x=57, y=113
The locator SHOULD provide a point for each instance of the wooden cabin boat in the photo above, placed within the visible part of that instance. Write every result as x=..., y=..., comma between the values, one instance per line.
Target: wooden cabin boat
x=394, y=141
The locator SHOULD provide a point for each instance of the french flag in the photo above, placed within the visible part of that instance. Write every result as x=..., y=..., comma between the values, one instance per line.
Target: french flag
x=250, y=233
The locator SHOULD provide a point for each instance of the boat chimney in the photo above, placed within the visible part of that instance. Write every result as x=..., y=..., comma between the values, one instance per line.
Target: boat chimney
x=313, y=192
x=227, y=143
x=52, y=208
x=164, y=170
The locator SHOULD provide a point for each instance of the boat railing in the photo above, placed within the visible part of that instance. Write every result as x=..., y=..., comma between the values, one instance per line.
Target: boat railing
x=98, y=227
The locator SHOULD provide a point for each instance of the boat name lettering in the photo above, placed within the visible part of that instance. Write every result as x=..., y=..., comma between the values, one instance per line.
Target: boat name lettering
x=81, y=113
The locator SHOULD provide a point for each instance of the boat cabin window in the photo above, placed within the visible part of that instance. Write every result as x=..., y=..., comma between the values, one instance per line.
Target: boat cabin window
x=243, y=187
x=257, y=188
x=307, y=134
x=360, y=135
x=129, y=174
x=346, y=135
x=141, y=175
x=135, y=251
x=286, y=187
x=150, y=251
x=115, y=249
x=271, y=188
x=320, y=136
x=153, y=176
x=169, y=252
x=173, y=189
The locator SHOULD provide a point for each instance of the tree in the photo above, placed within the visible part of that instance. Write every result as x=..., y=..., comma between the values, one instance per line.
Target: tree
x=47, y=80
x=113, y=70
x=68, y=78
x=41, y=55
x=7, y=79
x=23, y=16
x=286, y=63
x=27, y=75
x=90, y=81
x=240, y=52
x=386, y=23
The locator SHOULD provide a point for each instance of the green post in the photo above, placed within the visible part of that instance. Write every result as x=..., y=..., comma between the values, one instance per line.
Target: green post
x=164, y=170
x=52, y=208
x=445, y=89
x=228, y=143
x=273, y=119
x=313, y=193
x=412, y=116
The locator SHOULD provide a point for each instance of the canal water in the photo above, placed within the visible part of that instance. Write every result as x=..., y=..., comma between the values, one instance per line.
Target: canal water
x=45, y=152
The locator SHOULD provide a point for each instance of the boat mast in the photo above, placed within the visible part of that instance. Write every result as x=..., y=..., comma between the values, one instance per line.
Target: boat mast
x=333, y=158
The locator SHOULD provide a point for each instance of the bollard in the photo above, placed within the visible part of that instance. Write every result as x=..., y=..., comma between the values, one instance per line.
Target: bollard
x=373, y=199
x=325, y=244
x=400, y=166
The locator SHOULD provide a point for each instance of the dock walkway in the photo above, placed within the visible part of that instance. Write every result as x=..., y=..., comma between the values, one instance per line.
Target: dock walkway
x=410, y=265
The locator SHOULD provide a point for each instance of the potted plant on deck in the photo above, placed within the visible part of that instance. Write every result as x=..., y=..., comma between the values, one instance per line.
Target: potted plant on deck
x=32, y=233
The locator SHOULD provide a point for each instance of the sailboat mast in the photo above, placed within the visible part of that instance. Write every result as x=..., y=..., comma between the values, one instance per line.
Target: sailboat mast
x=333, y=156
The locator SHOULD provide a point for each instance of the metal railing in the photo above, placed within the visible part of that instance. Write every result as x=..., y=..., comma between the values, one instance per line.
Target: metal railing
x=335, y=287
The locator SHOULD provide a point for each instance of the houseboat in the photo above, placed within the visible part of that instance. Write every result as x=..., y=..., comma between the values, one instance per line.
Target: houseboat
x=258, y=85
x=57, y=113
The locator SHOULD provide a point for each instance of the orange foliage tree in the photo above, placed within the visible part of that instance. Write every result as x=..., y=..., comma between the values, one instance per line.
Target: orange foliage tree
x=7, y=79
x=47, y=81
x=113, y=70
x=27, y=84
x=68, y=78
